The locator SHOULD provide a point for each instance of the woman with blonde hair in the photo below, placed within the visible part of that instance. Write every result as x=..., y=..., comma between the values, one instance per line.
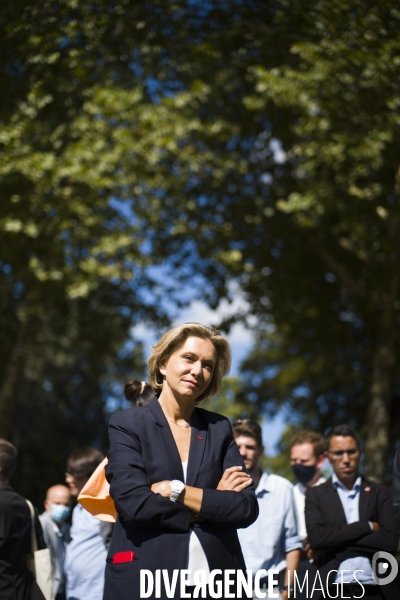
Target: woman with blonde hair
x=176, y=476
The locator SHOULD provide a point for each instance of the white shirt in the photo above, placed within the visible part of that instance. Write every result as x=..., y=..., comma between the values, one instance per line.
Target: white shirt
x=197, y=559
x=274, y=533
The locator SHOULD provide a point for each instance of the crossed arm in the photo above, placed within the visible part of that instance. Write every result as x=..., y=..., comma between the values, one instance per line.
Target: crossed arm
x=234, y=479
x=134, y=493
x=360, y=534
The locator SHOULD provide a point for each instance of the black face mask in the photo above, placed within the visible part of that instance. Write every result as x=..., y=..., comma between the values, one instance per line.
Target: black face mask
x=304, y=473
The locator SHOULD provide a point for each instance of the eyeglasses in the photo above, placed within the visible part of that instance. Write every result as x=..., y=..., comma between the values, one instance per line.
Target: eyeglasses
x=340, y=453
x=245, y=422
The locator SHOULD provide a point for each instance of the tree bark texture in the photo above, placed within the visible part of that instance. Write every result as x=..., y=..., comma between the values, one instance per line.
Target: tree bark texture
x=378, y=422
x=377, y=443
x=15, y=373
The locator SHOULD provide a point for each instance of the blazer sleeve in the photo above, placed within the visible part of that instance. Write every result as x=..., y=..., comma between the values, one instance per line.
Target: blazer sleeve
x=227, y=508
x=326, y=537
x=387, y=537
x=130, y=484
x=396, y=485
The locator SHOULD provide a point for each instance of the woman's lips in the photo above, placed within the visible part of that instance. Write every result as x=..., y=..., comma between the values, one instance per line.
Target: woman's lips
x=192, y=383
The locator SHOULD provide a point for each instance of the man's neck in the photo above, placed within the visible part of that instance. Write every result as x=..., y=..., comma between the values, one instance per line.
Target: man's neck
x=348, y=483
x=314, y=480
x=255, y=474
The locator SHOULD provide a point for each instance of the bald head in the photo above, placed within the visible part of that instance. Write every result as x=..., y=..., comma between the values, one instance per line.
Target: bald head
x=57, y=494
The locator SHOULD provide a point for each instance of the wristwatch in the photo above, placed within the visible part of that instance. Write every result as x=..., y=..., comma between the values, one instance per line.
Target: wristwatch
x=176, y=488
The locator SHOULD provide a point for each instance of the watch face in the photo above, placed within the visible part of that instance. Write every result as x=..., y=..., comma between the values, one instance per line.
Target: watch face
x=177, y=486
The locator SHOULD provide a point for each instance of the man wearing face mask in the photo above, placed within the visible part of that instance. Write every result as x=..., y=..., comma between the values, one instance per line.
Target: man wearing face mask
x=307, y=454
x=56, y=533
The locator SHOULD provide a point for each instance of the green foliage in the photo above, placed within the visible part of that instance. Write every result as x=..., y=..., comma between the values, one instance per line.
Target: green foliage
x=226, y=402
x=251, y=142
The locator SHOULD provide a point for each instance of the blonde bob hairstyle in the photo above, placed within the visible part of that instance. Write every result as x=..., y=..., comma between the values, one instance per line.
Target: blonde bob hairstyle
x=174, y=339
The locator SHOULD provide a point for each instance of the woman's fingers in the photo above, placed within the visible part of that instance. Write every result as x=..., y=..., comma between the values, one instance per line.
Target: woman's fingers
x=231, y=471
x=243, y=485
x=233, y=478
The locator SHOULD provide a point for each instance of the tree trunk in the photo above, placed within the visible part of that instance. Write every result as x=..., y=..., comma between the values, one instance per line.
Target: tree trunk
x=377, y=444
x=384, y=358
x=15, y=373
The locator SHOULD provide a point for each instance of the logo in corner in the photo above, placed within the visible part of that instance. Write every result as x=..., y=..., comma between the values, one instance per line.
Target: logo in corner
x=384, y=568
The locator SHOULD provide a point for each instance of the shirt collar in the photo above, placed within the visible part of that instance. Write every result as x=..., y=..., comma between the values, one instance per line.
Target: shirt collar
x=338, y=484
x=263, y=484
x=302, y=488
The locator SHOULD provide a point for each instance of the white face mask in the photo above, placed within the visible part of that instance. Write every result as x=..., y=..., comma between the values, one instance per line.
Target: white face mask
x=59, y=512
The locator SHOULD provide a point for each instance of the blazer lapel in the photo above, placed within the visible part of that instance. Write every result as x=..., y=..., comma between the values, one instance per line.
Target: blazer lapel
x=198, y=442
x=365, y=495
x=167, y=438
x=336, y=505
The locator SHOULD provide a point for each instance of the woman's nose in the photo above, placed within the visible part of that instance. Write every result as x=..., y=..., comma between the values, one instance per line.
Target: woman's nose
x=196, y=368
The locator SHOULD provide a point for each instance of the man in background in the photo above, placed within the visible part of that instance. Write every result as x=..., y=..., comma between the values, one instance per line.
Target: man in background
x=348, y=520
x=16, y=582
x=271, y=542
x=307, y=455
x=86, y=553
x=56, y=533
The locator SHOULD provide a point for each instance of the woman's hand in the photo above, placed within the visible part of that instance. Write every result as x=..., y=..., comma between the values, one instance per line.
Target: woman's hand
x=234, y=479
x=162, y=487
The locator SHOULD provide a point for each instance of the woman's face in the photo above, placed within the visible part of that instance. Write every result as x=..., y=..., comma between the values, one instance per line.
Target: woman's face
x=189, y=370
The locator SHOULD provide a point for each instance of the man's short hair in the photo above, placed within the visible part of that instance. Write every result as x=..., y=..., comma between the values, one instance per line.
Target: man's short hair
x=344, y=431
x=8, y=459
x=248, y=428
x=313, y=437
x=82, y=462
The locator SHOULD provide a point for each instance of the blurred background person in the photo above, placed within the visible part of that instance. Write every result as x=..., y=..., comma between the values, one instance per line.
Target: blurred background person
x=349, y=518
x=16, y=582
x=307, y=455
x=139, y=393
x=272, y=541
x=86, y=553
x=56, y=533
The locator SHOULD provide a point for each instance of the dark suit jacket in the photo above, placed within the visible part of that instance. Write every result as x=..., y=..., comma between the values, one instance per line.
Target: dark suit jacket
x=396, y=485
x=329, y=531
x=16, y=582
x=142, y=452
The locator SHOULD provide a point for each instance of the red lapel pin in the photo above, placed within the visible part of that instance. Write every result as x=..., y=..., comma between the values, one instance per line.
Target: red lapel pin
x=367, y=489
x=200, y=438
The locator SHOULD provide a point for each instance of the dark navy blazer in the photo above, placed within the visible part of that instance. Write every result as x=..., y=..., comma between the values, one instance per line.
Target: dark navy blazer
x=142, y=452
x=328, y=530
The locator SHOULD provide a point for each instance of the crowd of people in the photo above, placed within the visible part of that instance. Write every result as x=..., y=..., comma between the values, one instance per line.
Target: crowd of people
x=190, y=495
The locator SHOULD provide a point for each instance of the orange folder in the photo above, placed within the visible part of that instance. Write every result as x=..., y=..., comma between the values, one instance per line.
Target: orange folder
x=95, y=495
